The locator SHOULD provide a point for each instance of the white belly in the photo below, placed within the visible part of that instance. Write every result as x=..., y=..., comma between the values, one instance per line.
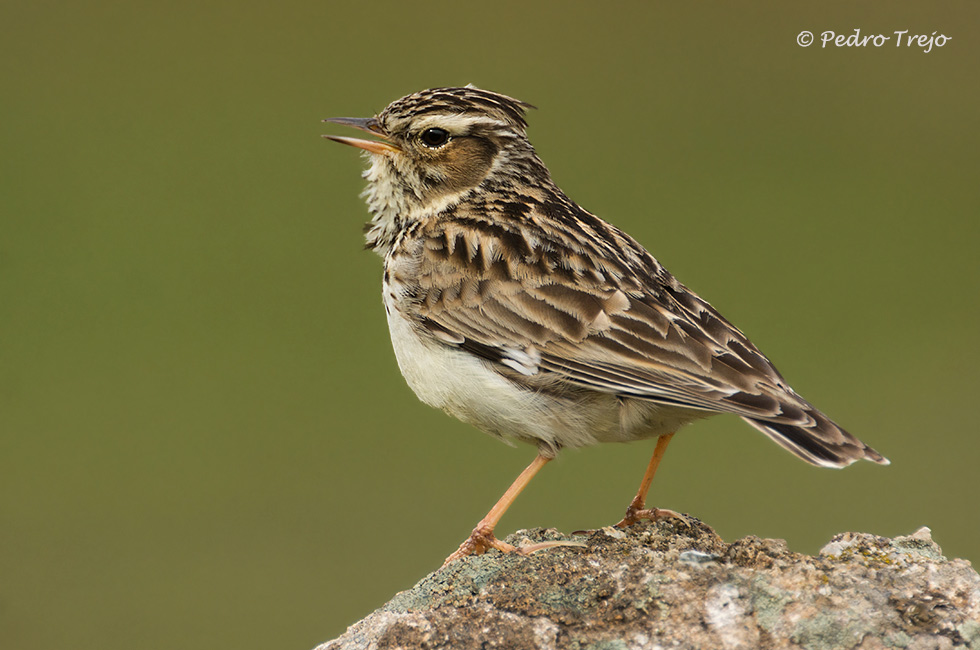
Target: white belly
x=467, y=388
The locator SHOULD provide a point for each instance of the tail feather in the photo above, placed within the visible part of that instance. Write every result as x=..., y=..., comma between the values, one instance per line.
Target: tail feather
x=820, y=443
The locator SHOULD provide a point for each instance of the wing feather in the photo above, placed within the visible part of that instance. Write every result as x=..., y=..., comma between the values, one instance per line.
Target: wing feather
x=555, y=311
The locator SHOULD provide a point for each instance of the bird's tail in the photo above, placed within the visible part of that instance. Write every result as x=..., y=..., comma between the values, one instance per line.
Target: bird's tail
x=820, y=442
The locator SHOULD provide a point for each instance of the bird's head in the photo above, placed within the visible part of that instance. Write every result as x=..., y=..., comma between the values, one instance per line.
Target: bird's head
x=434, y=145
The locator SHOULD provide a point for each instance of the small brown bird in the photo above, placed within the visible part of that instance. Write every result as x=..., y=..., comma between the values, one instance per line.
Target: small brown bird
x=512, y=308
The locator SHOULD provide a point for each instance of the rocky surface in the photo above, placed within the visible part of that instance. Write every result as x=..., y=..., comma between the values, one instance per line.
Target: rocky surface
x=676, y=584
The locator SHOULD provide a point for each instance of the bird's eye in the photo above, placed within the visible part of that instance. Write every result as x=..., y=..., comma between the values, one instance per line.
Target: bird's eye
x=434, y=137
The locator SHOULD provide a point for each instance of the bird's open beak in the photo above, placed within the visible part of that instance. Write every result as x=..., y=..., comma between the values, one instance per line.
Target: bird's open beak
x=368, y=124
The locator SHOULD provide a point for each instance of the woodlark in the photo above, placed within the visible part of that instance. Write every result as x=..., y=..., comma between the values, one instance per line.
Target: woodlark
x=512, y=308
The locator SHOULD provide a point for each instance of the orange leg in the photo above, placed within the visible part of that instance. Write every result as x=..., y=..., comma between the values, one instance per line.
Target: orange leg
x=637, y=509
x=482, y=538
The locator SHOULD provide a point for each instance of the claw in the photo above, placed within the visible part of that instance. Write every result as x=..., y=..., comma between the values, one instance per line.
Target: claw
x=540, y=546
x=482, y=540
x=633, y=515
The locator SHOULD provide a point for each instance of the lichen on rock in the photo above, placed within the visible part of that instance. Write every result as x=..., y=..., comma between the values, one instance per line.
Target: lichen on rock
x=676, y=584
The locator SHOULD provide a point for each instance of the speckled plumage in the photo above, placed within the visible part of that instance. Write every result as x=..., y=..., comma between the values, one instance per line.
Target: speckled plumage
x=516, y=310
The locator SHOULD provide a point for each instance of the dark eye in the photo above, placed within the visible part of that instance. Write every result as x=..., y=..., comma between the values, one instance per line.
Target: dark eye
x=434, y=137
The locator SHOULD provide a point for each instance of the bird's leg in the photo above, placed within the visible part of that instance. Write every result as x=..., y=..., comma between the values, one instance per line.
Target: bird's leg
x=482, y=538
x=637, y=509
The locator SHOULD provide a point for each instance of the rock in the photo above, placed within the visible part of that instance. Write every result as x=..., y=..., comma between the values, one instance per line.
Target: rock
x=676, y=584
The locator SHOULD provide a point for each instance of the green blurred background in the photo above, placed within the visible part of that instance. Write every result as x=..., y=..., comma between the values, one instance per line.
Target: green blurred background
x=204, y=438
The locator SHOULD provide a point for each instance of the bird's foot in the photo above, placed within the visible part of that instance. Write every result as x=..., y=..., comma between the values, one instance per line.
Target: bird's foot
x=479, y=542
x=482, y=540
x=635, y=514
